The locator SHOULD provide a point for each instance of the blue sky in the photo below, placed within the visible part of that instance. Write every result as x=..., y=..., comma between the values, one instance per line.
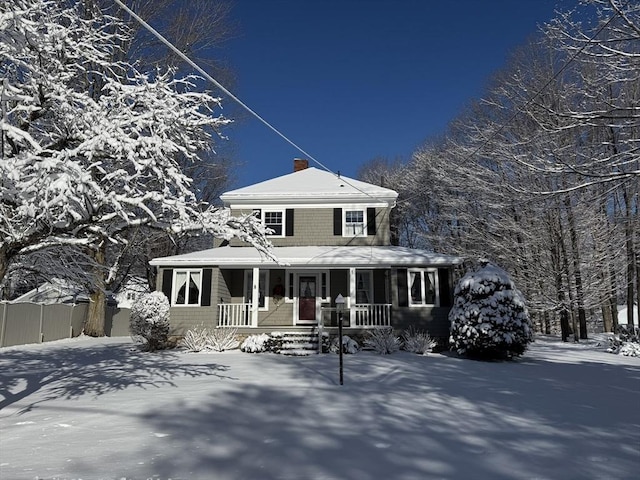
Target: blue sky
x=352, y=80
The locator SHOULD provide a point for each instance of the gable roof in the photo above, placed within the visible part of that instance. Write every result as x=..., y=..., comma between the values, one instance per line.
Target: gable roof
x=311, y=186
x=312, y=256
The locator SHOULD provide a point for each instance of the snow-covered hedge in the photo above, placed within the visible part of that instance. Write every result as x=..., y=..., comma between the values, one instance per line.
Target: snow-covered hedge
x=149, y=320
x=489, y=318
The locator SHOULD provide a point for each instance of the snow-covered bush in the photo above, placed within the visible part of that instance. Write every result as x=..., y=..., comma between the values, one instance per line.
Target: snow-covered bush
x=383, y=341
x=630, y=349
x=256, y=343
x=149, y=320
x=417, y=342
x=221, y=339
x=489, y=318
x=619, y=344
x=349, y=345
x=218, y=340
x=196, y=339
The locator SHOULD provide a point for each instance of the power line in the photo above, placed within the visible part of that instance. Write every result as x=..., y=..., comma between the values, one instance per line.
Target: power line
x=184, y=57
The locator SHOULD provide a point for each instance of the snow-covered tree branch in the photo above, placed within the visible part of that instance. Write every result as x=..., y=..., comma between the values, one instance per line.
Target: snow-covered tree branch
x=92, y=146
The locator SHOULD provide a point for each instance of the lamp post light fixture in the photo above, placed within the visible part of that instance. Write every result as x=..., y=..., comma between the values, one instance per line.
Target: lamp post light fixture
x=340, y=311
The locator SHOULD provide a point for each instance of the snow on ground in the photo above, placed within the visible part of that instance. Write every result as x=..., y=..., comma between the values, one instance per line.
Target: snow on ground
x=101, y=409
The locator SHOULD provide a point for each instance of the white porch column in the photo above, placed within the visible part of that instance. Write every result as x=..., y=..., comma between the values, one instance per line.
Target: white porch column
x=352, y=296
x=255, y=297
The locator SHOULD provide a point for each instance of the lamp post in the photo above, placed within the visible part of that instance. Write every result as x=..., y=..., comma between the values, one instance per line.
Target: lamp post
x=340, y=310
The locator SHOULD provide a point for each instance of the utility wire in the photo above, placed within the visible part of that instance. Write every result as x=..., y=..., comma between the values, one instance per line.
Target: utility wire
x=184, y=57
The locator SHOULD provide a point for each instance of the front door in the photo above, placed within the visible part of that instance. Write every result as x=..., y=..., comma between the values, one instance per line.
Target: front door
x=307, y=299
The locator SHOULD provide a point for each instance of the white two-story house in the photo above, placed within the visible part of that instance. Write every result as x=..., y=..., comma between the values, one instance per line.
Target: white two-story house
x=332, y=237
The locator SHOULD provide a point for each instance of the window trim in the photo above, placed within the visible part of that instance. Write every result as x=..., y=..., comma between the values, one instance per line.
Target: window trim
x=174, y=287
x=364, y=231
x=424, y=272
x=283, y=225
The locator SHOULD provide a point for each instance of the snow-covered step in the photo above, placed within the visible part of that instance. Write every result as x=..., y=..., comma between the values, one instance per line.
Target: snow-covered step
x=298, y=352
x=297, y=343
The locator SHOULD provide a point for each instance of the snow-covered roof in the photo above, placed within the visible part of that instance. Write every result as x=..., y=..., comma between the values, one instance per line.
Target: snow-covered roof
x=55, y=291
x=310, y=186
x=312, y=256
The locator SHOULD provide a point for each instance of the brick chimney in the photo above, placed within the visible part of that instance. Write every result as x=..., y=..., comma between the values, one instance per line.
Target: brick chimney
x=300, y=164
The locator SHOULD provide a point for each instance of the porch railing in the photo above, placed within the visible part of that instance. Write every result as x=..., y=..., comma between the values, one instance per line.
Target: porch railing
x=234, y=315
x=373, y=315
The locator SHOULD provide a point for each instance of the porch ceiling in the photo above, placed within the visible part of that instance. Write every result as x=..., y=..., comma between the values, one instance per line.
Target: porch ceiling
x=312, y=256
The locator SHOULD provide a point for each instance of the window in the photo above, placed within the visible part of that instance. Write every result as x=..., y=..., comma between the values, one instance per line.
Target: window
x=262, y=288
x=274, y=221
x=187, y=285
x=422, y=287
x=354, y=223
x=364, y=287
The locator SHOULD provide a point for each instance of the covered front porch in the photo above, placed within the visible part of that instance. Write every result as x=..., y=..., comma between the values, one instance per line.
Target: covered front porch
x=276, y=297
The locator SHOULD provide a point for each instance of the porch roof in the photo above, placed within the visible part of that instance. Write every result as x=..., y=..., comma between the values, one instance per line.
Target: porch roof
x=312, y=256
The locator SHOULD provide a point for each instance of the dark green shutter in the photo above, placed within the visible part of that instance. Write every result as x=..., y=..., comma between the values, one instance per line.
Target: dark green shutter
x=289, y=222
x=371, y=221
x=167, y=282
x=337, y=221
x=403, y=291
x=205, y=299
x=445, y=287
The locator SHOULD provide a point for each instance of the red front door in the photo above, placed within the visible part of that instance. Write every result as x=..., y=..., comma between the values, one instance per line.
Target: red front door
x=307, y=299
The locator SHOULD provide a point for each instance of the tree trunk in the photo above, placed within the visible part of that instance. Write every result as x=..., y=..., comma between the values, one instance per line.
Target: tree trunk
x=577, y=274
x=95, y=321
x=613, y=299
x=607, y=321
x=631, y=258
x=4, y=266
x=547, y=323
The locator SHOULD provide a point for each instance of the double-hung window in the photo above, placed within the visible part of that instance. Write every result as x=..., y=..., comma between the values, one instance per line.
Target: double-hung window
x=423, y=287
x=274, y=220
x=187, y=287
x=355, y=223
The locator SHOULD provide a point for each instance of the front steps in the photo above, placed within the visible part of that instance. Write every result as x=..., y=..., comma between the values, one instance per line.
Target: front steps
x=296, y=343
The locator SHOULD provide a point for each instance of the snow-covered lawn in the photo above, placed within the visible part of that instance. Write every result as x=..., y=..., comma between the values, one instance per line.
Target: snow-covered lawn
x=100, y=409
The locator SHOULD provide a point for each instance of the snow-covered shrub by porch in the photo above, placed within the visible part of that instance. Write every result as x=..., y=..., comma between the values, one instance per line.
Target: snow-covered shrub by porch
x=349, y=345
x=415, y=341
x=201, y=339
x=196, y=339
x=221, y=339
x=489, y=318
x=256, y=343
x=383, y=341
x=149, y=320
